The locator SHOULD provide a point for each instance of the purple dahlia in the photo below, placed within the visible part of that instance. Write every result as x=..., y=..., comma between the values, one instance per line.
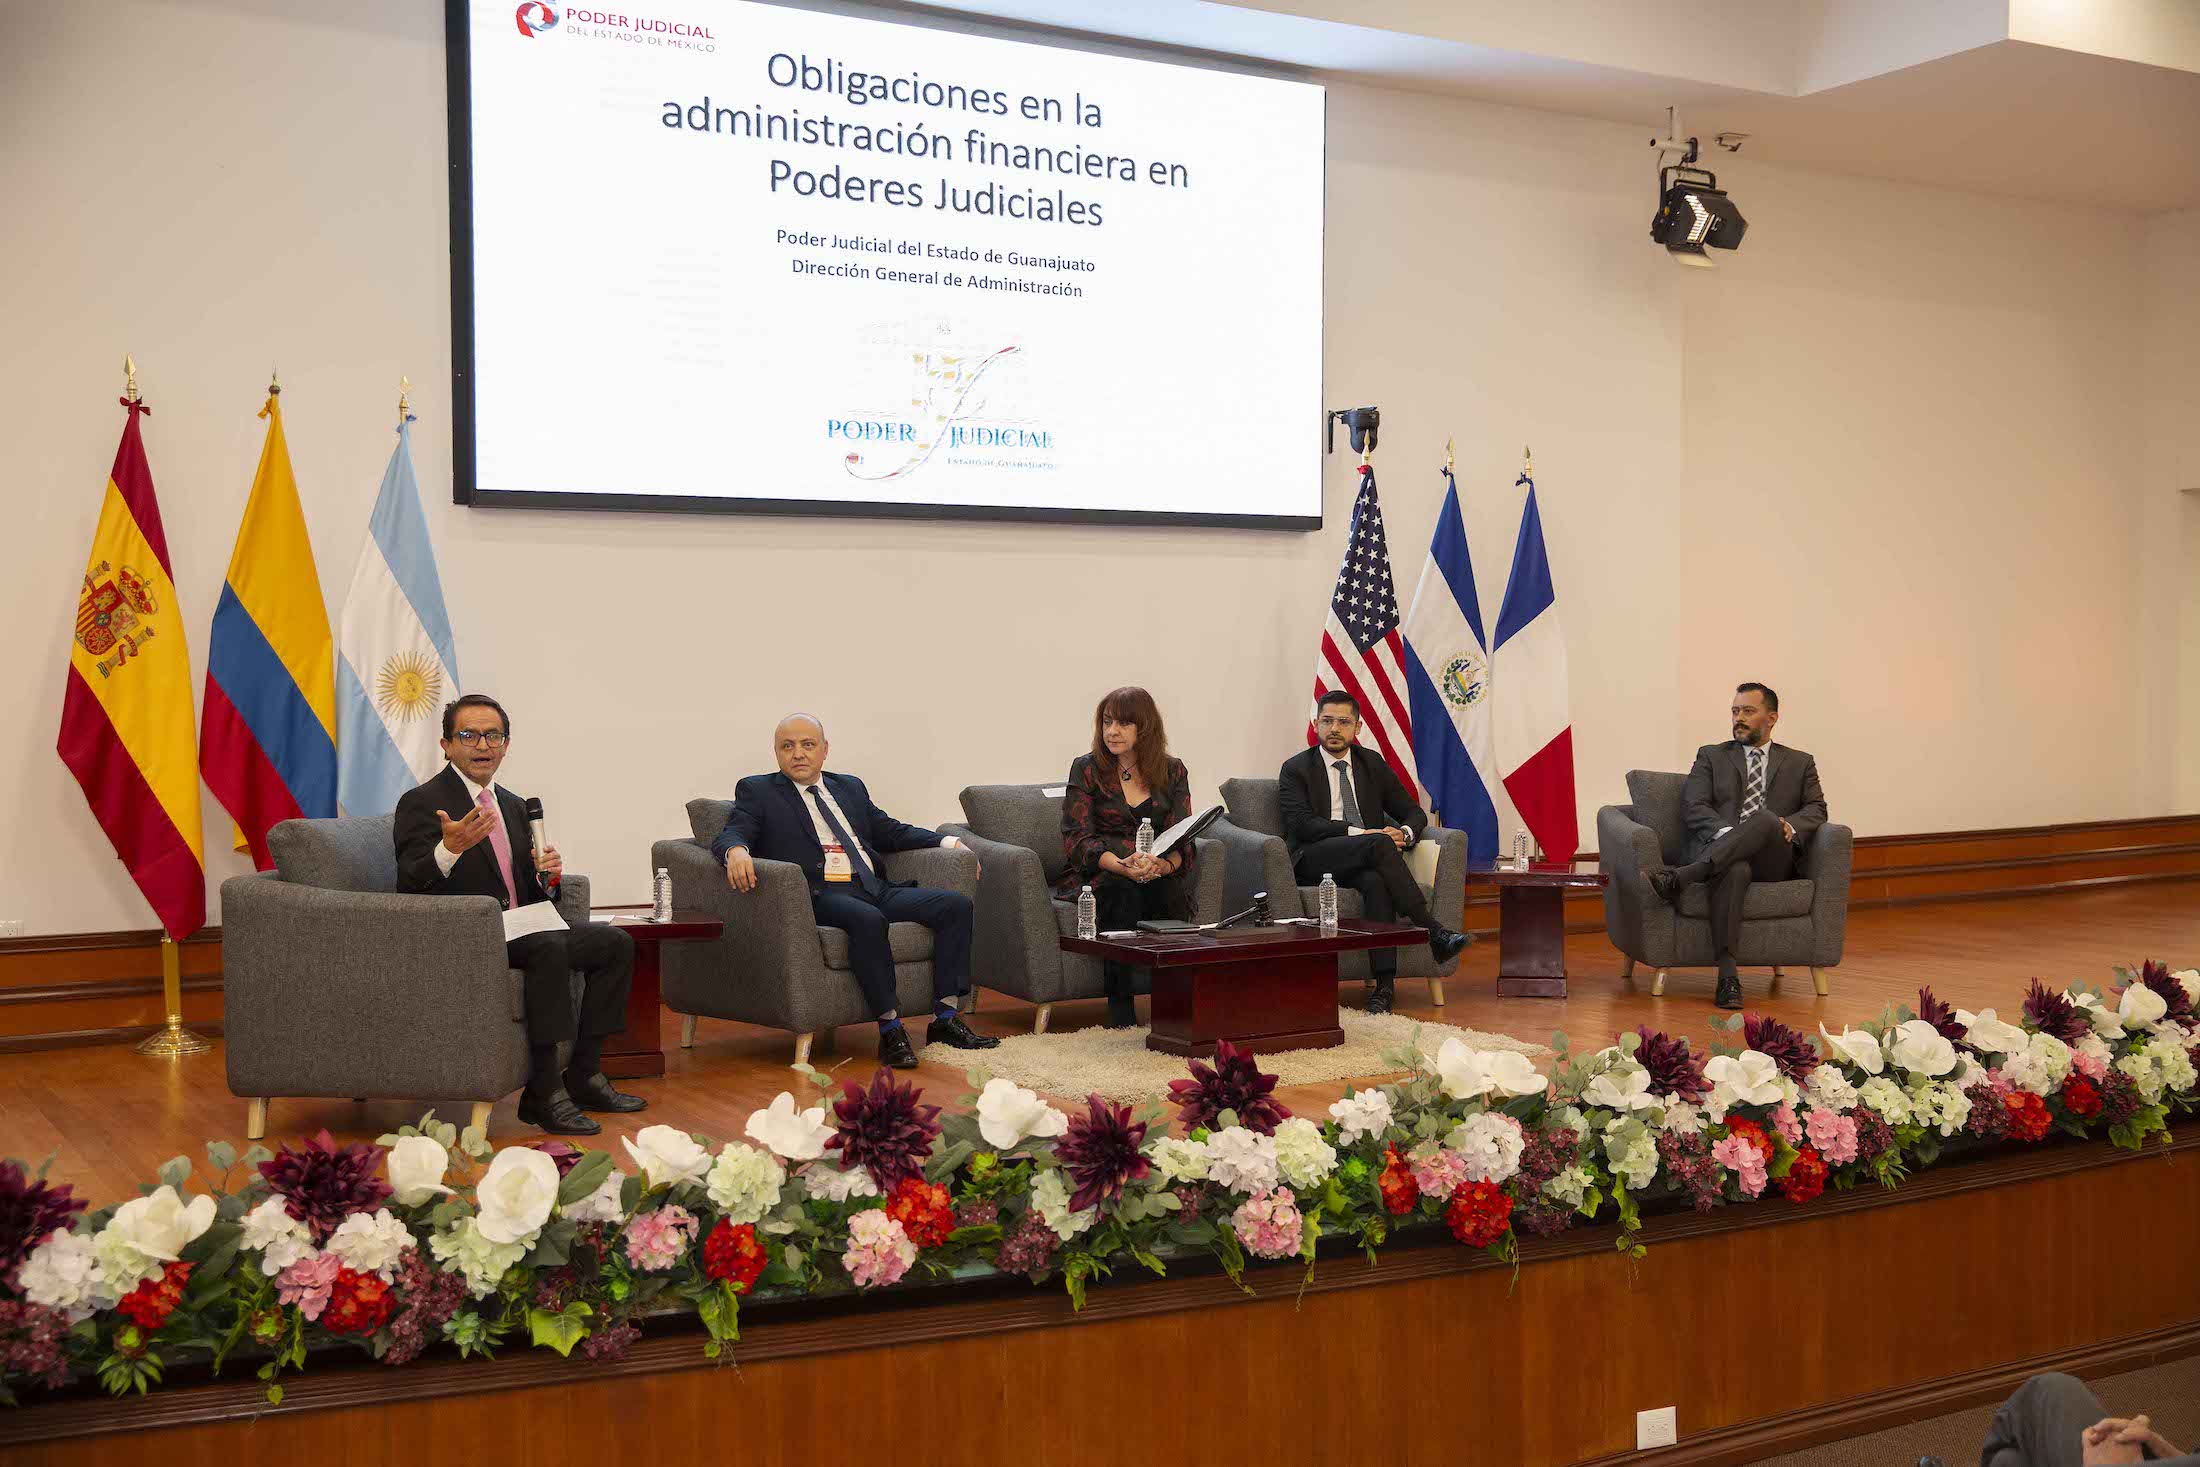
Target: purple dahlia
x=1100, y=1152
x=1940, y=1016
x=1233, y=1083
x=2051, y=1013
x=30, y=1212
x=322, y=1183
x=1673, y=1070
x=884, y=1128
x=2172, y=993
x=1789, y=1048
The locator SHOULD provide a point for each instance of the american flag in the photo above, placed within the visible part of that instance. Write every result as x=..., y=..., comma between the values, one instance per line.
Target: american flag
x=1361, y=650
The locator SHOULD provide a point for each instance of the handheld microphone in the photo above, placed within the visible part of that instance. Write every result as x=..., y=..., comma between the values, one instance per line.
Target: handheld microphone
x=534, y=824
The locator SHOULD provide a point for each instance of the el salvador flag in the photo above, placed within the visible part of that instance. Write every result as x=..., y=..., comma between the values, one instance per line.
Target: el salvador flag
x=1448, y=680
x=398, y=663
x=1535, y=734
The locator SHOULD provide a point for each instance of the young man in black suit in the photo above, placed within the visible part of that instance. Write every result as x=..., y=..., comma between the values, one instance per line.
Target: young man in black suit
x=1750, y=804
x=487, y=851
x=1332, y=796
x=827, y=825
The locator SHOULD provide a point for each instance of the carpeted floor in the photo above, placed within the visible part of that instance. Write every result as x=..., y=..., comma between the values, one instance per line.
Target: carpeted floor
x=1116, y=1063
x=2170, y=1394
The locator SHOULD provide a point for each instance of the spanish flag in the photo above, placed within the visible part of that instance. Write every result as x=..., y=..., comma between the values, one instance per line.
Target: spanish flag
x=126, y=728
x=270, y=748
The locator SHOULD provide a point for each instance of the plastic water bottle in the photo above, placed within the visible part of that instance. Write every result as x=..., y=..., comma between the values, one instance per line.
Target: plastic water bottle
x=1328, y=905
x=1088, y=915
x=1145, y=837
x=663, y=910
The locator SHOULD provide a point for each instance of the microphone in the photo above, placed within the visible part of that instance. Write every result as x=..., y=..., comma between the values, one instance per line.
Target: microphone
x=534, y=824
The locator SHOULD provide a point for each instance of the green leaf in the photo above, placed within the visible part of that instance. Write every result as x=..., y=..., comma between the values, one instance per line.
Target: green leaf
x=587, y=1175
x=176, y=1171
x=553, y=1245
x=255, y=1154
x=220, y=1155
x=274, y=1395
x=942, y=1166
x=721, y=1312
x=474, y=1142
x=560, y=1331
x=630, y=1195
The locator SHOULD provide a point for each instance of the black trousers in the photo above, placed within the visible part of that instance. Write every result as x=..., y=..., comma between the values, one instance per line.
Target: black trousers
x=2043, y=1425
x=601, y=953
x=1373, y=866
x=1123, y=903
x=1755, y=850
x=864, y=918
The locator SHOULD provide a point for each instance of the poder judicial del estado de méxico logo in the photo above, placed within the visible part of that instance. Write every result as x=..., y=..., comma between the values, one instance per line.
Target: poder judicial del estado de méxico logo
x=536, y=19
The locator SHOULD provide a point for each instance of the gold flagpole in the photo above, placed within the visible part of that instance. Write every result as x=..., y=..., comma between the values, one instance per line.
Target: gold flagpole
x=171, y=1039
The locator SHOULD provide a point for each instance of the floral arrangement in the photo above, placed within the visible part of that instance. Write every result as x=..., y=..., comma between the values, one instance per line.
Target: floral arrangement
x=430, y=1238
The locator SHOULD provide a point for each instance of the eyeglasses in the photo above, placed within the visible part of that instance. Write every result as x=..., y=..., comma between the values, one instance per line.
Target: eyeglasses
x=491, y=738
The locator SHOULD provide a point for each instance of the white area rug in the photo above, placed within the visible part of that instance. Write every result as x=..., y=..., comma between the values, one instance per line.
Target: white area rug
x=1116, y=1063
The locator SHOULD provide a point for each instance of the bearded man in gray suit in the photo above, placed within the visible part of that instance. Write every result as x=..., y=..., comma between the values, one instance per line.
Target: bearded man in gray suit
x=1750, y=804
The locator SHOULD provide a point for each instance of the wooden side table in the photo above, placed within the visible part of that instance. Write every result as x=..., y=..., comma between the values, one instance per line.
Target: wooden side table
x=638, y=1051
x=1531, y=925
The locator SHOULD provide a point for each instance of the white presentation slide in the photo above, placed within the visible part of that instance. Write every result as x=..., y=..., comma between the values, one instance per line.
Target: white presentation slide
x=730, y=253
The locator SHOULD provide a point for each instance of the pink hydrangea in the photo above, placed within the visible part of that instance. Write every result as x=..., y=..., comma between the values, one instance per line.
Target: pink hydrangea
x=2091, y=1063
x=1744, y=1160
x=1783, y=1121
x=656, y=1240
x=879, y=1250
x=1437, y=1170
x=306, y=1283
x=1269, y=1224
x=1833, y=1134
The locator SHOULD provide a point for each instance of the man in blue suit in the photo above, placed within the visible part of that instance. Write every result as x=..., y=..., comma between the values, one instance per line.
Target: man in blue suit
x=827, y=825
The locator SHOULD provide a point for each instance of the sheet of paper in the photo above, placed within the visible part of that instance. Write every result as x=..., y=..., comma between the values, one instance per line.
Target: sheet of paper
x=532, y=918
x=1190, y=825
x=1055, y=791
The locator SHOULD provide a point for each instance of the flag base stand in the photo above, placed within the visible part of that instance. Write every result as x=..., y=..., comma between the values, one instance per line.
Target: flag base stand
x=172, y=1039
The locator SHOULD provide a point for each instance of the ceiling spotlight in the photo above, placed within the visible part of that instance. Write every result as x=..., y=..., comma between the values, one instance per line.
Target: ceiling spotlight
x=1695, y=216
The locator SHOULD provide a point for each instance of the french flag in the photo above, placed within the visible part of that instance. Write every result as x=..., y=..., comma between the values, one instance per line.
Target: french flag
x=1535, y=735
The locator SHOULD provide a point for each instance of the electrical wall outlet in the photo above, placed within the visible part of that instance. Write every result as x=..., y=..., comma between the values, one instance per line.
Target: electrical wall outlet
x=1657, y=1428
x=11, y=926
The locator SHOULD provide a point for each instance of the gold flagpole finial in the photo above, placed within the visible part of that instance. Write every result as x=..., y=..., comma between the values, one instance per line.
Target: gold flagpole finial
x=1447, y=456
x=129, y=378
x=274, y=383
x=1527, y=463
x=404, y=400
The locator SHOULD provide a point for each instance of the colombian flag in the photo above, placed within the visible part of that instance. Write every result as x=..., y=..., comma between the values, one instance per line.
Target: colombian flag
x=126, y=729
x=270, y=748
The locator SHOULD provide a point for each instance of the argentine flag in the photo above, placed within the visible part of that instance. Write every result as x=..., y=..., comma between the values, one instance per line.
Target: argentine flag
x=397, y=664
x=1448, y=681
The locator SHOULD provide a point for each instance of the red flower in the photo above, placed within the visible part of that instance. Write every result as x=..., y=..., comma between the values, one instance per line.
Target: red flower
x=1806, y=1176
x=358, y=1304
x=734, y=1254
x=2081, y=1097
x=2028, y=1118
x=1396, y=1183
x=1479, y=1214
x=1751, y=1132
x=151, y=1302
x=924, y=1210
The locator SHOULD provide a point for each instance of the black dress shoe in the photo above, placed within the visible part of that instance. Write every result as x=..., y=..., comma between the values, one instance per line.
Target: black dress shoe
x=1666, y=885
x=893, y=1048
x=1379, y=1001
x=1445, y=944
x=955, y=1034
x=557, y=1114
x=1730, y=991
x=595, y=1093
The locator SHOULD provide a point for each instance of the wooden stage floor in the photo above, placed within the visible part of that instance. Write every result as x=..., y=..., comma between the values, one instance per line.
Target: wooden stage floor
x=110, y=1117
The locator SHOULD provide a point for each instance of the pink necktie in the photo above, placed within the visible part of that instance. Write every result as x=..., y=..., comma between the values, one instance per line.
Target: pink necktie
x=502, y=844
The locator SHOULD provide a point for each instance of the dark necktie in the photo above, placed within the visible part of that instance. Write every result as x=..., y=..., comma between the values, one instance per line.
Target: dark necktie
x=865, y=876
x=1347, y=802
x=1753, y=788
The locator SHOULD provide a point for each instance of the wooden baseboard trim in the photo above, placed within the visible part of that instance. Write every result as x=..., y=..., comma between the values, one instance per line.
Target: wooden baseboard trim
x=1755, y=1441
x=75, y=1038
x=109, y=988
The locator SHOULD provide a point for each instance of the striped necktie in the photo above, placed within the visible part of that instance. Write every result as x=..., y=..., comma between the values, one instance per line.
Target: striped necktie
x=1753, y=787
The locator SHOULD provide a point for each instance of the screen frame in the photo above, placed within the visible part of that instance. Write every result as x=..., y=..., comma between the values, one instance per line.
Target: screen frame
x=465, y=490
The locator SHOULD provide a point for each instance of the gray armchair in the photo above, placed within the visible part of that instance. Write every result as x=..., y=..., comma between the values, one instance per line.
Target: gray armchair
x=1016, y=831
x=336, y=984
x=1801, y=921
x=774, y=965
x=1258, y=855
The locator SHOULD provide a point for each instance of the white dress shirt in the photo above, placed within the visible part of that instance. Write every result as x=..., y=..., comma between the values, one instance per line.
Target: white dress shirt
x=825, y=836
x=445, y=857
x=1336, y=794
x=1765, y=752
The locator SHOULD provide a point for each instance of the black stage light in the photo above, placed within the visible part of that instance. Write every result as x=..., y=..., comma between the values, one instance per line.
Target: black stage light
x=1695, y=216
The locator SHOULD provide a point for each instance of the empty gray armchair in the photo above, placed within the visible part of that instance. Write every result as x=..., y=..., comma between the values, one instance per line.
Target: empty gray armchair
x=1802, y=921
x=334, y=983
x=1438, y=860
x=1016, y=832
x=774, y=965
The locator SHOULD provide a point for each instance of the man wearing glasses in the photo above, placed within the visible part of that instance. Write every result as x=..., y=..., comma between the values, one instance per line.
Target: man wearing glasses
x=461, y=835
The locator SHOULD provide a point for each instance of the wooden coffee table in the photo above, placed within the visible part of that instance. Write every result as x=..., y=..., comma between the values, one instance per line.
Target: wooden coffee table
x=1531, y=925
x=1262, y=988
x=638, y=1051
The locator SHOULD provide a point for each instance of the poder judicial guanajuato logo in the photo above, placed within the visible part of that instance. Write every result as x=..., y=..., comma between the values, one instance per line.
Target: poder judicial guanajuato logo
x=534, y=18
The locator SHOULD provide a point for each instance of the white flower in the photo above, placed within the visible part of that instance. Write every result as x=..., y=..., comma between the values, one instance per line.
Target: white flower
x=2190, y=978
x=1623, y=1087
x=1468, y=1073
x=279, y=1238
x=147, y=1232
x=2175, y=1061
x=1178, y=1160
x=2106, y=1021
x=482, y=1261
x=516, y=1195
x=1490, y=1145
x=601, y=1205
x=1304, y=1158
x=1748, y=1078
x=2140, y=1007
x=1829, y=1089
x=373, y=1243
x=1364, y=1113
x=1008, y=1114
x=1921, y=1049
x=1938, y=1103
x=416, y=1166
x=1682, y=1118
x=1050, y=1198
x=796, y=1135
x=1857, y=1048
x=668, y=1155
x=835, y=1185
x=1241, y=1160
x=1989, y=1035
x=1569, y=1186
x=1889, y=1100
x=1633, y=1152
x=62, y=1273
x=745, y=1183
x=2042, y=1066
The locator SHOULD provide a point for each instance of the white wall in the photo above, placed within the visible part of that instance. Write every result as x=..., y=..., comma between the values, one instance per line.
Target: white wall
x=1940, y=439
